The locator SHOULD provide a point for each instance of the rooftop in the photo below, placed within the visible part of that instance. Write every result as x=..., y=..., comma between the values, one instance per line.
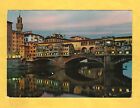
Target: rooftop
x=9, y=22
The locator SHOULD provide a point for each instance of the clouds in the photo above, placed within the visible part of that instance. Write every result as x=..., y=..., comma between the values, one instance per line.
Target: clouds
x=71, y=22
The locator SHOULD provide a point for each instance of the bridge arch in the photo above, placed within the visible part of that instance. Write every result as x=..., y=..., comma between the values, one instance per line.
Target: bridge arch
x=74, y=59
x=80, y=58
x=42, y=59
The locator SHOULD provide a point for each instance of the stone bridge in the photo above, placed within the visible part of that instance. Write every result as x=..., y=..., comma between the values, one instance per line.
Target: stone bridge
x=112, y=65
x=115, y=59
x=82, y=57
x=70, y=59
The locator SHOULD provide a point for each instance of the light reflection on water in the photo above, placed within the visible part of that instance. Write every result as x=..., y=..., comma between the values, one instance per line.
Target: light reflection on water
x=16, y=68
x=44, y=70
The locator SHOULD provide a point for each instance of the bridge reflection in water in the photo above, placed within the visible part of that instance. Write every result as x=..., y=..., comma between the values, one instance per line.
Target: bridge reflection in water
x=71, y=76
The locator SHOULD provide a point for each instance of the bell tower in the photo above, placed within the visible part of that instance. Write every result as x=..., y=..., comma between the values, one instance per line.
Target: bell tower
x=19, y=24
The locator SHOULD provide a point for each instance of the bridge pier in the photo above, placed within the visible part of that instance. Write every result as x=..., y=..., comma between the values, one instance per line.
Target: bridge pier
x=118, y=70
x=108, y=73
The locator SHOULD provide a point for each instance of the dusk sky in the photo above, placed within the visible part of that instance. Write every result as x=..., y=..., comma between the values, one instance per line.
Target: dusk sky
x=92, y=24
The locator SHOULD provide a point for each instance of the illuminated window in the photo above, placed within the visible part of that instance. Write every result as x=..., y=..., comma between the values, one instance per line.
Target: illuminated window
x=67, y=84
x=120, y=52
x=113, y=89
x=47, y=82
x=120, y=90
x=127, y=52
x=13, y=79
x=98, y=88
x=127, y=90
x=108, y=42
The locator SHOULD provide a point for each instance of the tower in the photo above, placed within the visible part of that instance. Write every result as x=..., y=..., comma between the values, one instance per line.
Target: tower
x=19, y=24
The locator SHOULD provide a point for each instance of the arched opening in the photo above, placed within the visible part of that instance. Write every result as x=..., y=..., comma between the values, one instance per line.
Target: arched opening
x=91, y=50
x=84, y=50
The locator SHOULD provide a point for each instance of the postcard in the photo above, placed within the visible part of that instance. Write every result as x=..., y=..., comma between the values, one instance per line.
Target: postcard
x=79, y=54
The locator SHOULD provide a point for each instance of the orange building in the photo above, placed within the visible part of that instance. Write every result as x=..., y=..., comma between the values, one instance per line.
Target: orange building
x=15, y=39
x=28, y=51
x=24, y=50
x=17, y=42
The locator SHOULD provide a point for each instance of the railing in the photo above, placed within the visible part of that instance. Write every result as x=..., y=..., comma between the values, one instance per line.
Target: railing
x=122, y=60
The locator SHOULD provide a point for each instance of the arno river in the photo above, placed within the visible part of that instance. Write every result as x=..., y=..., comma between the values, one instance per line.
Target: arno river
x=44, y=70
x=16, y=68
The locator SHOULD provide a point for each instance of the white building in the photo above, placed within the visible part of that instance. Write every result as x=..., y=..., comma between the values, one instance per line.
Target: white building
x=31, y=37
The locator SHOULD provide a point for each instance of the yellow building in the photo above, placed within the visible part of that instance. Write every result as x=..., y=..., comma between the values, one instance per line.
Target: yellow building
x=75, y=38
x=76, y=44
x=54, y=50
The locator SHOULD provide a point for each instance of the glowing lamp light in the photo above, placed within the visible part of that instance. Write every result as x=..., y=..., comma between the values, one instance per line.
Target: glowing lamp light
x=113, y=52
x=13, y=79
x=108, y=42
x=127, y=90
x=120, y=52
x=127, y=52
x=113, y=89
x=120, y=90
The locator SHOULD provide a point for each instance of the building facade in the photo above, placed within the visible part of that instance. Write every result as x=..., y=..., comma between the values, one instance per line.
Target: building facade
x=9, y=38
x=15, y=39
x=17, y=42
x=31, y=37
x=114, y=45
x=57, y=38
x=75, y=38
x=54, y=50
x=28, y=51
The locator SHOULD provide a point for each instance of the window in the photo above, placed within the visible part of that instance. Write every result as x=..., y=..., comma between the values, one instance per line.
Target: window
x=113, y=52
x=18, y=21
x=91, y=43
x=120, y=52
x=113, y=89
x=83, y=43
